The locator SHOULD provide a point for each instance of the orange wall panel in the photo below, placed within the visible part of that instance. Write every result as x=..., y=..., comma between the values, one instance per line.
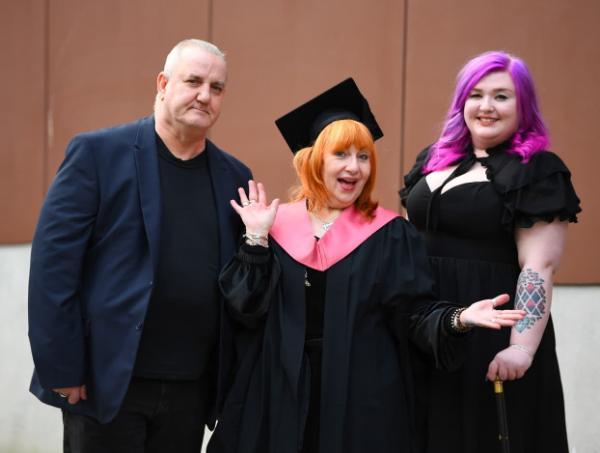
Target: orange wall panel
x=22, y=118
x=81, y=65
x=282, y=53
x=104, y=58
x=559, y=41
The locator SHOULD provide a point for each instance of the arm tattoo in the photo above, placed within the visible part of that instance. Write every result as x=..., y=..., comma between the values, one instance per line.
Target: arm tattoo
x=531, y=297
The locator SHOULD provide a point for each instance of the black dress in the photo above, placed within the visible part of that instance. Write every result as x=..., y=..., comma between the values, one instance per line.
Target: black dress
x=469, y=231
x=315, y=283
x=375, y=299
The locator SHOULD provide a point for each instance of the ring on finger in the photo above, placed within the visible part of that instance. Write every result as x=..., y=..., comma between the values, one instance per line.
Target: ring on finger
x=251, y=201
x=245, y=203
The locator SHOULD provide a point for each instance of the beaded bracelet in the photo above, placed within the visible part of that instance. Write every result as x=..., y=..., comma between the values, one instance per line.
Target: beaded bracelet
x=456, y=323
x=256, y=239
x=522, y=348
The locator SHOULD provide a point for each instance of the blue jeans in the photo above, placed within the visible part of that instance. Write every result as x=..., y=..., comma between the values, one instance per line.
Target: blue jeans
x=157, y=416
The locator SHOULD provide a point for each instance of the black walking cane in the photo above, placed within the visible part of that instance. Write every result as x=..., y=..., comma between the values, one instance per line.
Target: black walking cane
x=502, y=420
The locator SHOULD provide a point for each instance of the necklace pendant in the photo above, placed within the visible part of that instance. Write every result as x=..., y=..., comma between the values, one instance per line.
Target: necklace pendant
x=306, y=282
x=325, y=225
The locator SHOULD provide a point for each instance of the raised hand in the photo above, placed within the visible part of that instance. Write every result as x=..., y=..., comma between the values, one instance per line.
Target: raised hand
x=258, y=216
x=484, y=314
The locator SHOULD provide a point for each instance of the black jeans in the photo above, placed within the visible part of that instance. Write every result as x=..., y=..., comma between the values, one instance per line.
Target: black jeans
x=157, y=416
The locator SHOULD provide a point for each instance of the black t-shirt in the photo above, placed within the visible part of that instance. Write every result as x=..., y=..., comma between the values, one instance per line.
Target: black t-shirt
x=181, y=325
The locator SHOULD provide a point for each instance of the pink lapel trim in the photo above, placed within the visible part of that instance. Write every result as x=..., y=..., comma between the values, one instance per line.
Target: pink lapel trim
x=292, y=230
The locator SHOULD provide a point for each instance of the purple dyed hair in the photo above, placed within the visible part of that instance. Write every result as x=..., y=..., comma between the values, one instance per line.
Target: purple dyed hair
x=531, y=136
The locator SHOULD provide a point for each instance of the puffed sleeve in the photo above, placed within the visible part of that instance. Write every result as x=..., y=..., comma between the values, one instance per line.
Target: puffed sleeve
x=539, y=190
x=416, y=313
x=413, y=176
x=248, y=283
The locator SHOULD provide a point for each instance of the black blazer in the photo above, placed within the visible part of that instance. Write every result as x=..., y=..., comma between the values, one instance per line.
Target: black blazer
x=93, y=261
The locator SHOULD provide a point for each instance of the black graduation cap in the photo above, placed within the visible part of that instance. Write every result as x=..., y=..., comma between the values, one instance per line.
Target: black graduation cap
x=302, y=126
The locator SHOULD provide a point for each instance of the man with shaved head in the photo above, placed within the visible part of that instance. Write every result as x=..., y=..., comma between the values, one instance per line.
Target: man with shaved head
x=125, y=317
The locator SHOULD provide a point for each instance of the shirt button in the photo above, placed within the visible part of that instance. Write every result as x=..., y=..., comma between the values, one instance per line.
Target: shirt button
x=139, y=326
x=151, y=282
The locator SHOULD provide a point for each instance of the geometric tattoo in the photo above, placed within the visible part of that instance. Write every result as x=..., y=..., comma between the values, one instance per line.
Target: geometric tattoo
x=531, y=297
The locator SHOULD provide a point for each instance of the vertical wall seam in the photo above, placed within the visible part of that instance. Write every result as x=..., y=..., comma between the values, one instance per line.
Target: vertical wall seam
x=210, y=38
x=403, y=97
x=210, y=21
x=46, y=88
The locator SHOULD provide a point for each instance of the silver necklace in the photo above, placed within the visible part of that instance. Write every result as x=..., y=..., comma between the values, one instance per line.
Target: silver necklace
x=326, y=225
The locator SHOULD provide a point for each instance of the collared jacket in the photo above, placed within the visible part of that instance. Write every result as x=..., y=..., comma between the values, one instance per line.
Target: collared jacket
x=94, y=259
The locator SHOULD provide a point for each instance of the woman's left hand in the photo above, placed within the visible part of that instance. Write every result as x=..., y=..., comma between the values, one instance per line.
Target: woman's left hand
x=510, y=364
x=484, y=314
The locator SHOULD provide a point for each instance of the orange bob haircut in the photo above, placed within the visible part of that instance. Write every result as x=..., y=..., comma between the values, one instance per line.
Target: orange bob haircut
x=308, y=163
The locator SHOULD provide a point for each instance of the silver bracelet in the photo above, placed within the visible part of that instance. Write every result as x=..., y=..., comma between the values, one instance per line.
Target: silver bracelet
x=256, y=239
x=522, y=348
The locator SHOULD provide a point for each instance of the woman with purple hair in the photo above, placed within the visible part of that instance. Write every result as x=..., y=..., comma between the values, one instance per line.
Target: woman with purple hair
x=494, y=206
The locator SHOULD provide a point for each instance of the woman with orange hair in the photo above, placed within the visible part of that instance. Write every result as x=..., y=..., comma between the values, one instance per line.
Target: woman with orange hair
x=326, y=291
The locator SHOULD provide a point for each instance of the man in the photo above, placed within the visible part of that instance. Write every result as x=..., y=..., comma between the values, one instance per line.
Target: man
x=124, y=306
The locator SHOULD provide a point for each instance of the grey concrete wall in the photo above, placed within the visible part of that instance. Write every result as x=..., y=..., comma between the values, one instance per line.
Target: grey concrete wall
x=27, y=426
x=576, y=312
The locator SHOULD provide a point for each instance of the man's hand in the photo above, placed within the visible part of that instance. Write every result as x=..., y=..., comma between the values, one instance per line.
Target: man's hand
x=73, y=394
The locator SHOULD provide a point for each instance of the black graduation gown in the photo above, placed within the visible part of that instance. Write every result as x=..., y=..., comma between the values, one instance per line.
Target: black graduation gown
x=376, y=297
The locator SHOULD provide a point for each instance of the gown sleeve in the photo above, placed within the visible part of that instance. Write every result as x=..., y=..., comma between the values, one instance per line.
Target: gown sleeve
x=415, y=312
x=413, y=176
x=248, y=283
x=539, y=190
